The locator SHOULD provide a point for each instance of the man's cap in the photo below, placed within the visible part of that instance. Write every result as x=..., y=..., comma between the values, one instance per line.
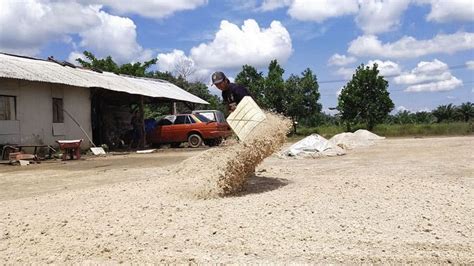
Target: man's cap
x=218, y=77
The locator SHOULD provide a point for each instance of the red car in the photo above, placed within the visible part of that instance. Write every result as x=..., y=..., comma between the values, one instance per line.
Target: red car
x=192, y=128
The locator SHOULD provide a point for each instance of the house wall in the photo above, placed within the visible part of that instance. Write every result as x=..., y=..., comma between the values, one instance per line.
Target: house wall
x=34, y=113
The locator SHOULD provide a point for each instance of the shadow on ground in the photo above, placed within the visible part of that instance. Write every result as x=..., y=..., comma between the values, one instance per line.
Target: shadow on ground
x=262, y=184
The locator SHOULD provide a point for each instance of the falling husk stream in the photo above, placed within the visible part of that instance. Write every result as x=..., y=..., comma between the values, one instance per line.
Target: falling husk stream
x=224, y=171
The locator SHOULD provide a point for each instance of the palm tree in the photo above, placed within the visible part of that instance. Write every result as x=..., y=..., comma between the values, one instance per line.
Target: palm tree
x=445, y=113
x=424, y=117
x=466, y=111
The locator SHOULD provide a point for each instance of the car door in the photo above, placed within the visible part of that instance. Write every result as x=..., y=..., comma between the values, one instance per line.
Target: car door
x=179, y=129
x=162, y=132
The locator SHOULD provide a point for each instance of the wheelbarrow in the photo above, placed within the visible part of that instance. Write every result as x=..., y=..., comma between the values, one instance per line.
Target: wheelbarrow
x=70, y=148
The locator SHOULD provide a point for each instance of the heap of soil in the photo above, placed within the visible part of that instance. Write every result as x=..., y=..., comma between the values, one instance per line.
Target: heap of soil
x=360, y=138
x=223, y=171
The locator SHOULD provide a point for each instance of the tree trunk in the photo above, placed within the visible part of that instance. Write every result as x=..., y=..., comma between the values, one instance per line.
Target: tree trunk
x=370, y=125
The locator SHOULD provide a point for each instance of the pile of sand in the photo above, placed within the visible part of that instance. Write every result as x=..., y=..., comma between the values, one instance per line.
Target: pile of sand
x=313, y=146
x=360, y=138
x=224, y=170
x=365, y=134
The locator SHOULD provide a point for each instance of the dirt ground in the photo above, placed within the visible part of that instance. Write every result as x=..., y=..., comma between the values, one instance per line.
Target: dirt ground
x=402, y=200
x=56, y=175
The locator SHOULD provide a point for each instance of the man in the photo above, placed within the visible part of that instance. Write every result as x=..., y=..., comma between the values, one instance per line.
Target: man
x=232, y=93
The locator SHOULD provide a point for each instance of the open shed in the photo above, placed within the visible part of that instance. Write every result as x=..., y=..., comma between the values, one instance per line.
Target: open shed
x=42, y=101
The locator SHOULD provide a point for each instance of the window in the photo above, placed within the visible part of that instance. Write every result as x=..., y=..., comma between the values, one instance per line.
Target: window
x=190, y=120
x=164, y=122
x=180, y=119
x=58, y=116
x=7, y=107
x=202, y=118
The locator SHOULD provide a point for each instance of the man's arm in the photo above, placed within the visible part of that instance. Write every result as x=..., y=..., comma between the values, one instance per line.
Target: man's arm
x=240, y=92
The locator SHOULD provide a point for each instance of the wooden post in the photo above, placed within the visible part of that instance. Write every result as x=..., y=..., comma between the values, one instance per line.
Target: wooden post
x=174, y=108
x=142, y=122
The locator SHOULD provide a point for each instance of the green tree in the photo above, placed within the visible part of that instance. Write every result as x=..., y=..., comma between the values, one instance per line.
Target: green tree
x=466, y=111
x=403, y=117
x=365, y=98
x=301, y=97
x=254, y=81
x=275, y=88
x=108, y=64
x=445, y=113
x=295, y=99
x=311, y=108
x=423, y=117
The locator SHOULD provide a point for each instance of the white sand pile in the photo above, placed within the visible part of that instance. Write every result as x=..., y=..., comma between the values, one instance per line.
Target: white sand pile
x=224, y=170
x=365, y=134
x=361, y=138
x=313, y=146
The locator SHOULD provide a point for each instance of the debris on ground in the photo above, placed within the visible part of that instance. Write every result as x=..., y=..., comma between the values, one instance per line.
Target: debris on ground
x=146, y=151
x=313, y=146
x=98, y=151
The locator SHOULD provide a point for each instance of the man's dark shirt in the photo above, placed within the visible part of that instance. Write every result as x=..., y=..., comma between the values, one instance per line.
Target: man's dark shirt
x=234, y=93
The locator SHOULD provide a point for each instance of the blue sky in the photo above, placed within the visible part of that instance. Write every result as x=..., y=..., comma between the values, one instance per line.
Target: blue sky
x=425, y=48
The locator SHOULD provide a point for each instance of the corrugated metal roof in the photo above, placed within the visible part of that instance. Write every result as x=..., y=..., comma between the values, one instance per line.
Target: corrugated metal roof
x=24, y=68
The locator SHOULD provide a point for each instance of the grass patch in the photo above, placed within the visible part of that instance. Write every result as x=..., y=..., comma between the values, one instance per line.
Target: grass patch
x=442, y=129
x=407, y=130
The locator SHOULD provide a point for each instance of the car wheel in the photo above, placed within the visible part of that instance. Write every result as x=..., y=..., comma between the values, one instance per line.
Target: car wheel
x=194, y=140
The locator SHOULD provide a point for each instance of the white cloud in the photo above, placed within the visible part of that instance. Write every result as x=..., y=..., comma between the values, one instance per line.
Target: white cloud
x=409, y=47
x=178, y=63
x=149, y=8
x=41, y=22
x=269, y=5
x=429, y=76
x=377, y=16
x=319, y=11
x=115, y=36
x=168, y=61
x=386, y=68
x=330, y=111
x=341, y=60
x=445, y=85
x=233, y=47
x=401, y=108
x=345, y=72
x=452, y=10
x=75, y=55
x=423, y=109
x=372, y=16
x=470, y=64
x=423, y=72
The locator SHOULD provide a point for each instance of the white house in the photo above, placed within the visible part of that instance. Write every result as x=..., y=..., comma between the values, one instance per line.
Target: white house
x=40, y=99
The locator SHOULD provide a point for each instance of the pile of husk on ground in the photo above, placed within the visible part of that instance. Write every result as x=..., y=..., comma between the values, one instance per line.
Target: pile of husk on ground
x=224, y=171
